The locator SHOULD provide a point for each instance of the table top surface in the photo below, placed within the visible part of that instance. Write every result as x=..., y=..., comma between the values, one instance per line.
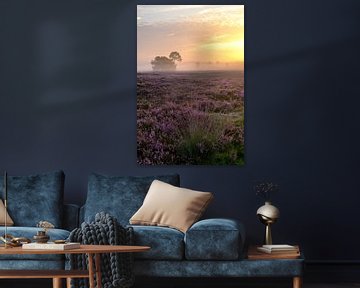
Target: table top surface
x=91, y=249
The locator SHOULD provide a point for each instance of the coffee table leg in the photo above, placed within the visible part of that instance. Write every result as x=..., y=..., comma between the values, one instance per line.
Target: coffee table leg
x=297, y=282
x=91, y=270
x=98, y=270
x=68, y=282
x=57, y=283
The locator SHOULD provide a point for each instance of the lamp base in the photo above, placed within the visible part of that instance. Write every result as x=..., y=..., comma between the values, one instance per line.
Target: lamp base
x=268, y=237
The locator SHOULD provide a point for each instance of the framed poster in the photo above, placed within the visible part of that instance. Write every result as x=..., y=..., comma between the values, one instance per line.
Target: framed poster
x=190, y=84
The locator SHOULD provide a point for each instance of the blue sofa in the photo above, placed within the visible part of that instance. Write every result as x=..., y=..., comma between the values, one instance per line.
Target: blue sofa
x=210, y=248
x=32, y=199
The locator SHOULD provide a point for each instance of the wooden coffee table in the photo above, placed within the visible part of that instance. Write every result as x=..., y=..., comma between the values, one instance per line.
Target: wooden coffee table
x=92, y=251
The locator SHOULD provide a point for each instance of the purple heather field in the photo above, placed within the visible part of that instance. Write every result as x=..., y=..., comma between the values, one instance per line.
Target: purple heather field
x=190, y=118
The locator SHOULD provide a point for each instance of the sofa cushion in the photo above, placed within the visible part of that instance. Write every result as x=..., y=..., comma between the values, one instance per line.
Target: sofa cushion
x=9, y=221
x=29, y=232
x=119, y=196
x=170, y=206
x=165, y=243
x=214, y=239
x=35, y=198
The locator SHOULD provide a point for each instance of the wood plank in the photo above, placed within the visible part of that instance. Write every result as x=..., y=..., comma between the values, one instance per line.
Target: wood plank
x=17, y=274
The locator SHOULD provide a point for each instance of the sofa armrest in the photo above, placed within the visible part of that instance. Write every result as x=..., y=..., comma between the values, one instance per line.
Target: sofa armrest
x=215, y=239
x=70, y=216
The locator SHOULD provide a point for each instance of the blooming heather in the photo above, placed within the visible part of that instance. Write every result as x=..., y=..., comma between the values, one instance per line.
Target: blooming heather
x=190, y=118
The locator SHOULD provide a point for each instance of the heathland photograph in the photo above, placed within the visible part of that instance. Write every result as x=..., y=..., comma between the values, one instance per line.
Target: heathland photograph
x=190, y=84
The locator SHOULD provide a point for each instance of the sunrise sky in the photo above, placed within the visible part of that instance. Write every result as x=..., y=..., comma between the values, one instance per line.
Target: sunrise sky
x=206, y=36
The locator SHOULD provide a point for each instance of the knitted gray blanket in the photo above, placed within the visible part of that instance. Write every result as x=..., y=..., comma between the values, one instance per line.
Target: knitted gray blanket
x=116, y=268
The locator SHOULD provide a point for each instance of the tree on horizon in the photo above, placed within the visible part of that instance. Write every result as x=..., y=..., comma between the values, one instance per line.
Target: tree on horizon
x=163, y=63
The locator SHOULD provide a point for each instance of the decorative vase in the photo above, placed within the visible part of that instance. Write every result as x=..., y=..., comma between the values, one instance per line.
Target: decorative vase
x=268, y=214
x=41, y=237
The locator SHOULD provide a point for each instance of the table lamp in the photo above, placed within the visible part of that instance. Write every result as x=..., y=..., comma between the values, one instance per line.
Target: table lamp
x=268, y=214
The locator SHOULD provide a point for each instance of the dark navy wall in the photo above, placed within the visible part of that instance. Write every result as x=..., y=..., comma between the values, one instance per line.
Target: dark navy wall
x=68, y=101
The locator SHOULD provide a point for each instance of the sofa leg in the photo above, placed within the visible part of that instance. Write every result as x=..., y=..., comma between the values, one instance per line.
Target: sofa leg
x=57, y=283
x=297, y=282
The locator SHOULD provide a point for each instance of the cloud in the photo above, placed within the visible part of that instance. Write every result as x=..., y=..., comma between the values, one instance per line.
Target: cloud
x=226, y=15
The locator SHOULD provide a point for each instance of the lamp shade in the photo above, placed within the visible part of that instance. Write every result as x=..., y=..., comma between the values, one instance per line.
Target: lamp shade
x=269, y=211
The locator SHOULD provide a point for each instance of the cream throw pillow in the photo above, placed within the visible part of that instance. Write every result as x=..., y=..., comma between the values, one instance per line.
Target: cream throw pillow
x=170, y=206
x=10, y=222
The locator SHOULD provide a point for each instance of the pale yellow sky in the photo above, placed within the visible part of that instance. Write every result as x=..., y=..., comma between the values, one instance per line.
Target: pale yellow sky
x=206, y=36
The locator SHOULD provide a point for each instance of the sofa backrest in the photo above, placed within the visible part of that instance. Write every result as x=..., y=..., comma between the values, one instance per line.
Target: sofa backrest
x=35, y=198
x=119, y=196
x=70, y=219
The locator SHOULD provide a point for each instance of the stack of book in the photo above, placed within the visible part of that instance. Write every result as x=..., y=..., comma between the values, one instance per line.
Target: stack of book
x=51, y=246
x=279, y=249
x=274, y=252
